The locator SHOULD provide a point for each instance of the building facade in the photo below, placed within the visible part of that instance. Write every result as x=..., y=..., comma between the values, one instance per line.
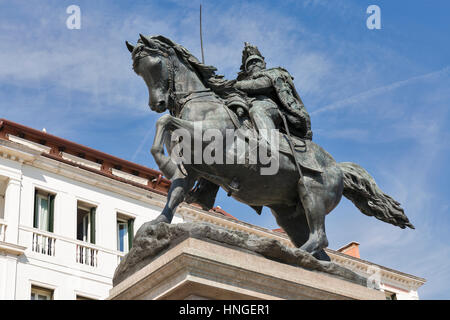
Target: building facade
x=68, y=214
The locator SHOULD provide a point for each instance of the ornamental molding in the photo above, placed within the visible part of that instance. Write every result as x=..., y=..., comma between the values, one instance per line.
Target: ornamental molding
x=11, y=249
x=128, y=176
x=32, y=145
x=25, y=155
x=17, y=152
x=100, y=181
x=81, y=161
x=389, y=277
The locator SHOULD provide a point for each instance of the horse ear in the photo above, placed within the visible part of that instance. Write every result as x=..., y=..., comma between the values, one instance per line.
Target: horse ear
x=148, y=42
x=129, y=46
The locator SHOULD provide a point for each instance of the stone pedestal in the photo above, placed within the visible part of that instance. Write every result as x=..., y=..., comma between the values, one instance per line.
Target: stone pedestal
x=202, y=269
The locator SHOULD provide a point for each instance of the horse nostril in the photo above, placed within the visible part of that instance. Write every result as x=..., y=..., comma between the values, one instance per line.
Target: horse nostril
x=159, y=105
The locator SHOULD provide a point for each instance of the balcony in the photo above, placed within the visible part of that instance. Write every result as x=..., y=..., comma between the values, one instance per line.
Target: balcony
x=69, y=252
x=43, y=243
x=87, y=255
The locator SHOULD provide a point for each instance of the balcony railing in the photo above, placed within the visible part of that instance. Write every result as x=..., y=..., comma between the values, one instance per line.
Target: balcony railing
x=43, y=243
x=70, y=252
x=87, y=255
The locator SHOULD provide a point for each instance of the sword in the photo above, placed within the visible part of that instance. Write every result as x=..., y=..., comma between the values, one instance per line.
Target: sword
x=305, y=195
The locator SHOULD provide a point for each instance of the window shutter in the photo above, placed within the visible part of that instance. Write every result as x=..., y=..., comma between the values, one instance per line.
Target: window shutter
x=130, y=233
x=36, y=209
x=92, y=222
x=51, y=210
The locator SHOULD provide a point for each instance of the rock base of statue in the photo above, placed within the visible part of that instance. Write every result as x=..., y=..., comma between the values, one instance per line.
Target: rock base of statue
x=205, y=261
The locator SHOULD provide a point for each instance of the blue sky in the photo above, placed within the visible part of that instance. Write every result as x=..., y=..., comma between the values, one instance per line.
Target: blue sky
x=379, y=98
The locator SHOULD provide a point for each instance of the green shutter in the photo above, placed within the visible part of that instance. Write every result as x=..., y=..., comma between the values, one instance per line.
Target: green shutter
x=130, y=233
x=51, y=210
x=36, y=209
x=92, y=221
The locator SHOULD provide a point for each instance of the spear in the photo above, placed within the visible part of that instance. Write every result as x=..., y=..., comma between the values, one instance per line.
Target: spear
x=201, y=37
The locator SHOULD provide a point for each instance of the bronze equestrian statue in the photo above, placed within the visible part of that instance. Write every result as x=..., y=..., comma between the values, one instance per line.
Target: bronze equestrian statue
x=308, y=183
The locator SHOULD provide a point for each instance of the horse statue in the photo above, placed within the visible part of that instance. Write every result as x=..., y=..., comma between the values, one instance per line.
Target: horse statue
x=190, y=91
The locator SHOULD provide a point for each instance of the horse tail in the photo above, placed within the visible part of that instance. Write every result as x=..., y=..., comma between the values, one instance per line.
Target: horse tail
x=361, y=189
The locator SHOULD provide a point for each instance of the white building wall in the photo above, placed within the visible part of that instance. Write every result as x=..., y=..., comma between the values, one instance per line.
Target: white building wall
x=61, y=272
x=66, y=281
x=8, y=268
x=400, y=293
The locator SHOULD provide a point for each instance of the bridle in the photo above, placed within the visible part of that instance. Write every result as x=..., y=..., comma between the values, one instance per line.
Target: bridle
x=170, y=67
x=178, y=99
x=171, y=72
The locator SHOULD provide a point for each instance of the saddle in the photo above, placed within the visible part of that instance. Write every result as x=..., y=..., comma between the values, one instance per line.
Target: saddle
x=304, y=149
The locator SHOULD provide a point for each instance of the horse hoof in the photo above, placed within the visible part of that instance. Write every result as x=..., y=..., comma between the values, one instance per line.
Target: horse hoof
x=159, y=219
x=322, y=256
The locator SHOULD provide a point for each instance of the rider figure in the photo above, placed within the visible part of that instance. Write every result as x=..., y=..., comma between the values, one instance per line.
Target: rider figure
x=271, y=90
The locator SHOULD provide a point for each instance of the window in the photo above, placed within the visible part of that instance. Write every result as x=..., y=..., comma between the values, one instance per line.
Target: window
x=38, y=293
x=44, y=204
x=86, y=222
x=390, y=295
x=125, y=233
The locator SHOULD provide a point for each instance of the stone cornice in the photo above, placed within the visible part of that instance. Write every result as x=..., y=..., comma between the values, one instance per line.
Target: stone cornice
x=25, y=155
x=11, y=248
x=107, y=183
x=55, y=146
x=403, y=280
x=16, y=152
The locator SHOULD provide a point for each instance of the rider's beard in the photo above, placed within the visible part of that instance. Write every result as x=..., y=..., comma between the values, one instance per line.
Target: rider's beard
x=254, y=68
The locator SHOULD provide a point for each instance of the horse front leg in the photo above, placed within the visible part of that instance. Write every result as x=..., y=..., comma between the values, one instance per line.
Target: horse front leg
x=162, y=136
x=178, y=190
x=180, y=184
x=164, y=126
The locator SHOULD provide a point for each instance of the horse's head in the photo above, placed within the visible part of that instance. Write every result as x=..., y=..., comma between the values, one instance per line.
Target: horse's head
x=153, y=65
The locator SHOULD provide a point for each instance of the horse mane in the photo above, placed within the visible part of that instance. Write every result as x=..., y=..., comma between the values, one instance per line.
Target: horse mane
x=206, y=73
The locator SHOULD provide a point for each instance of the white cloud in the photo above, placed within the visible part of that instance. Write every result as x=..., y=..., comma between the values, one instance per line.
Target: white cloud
x=364, y=96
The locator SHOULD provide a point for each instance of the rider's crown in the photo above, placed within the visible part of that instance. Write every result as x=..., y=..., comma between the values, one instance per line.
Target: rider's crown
x=249, y=53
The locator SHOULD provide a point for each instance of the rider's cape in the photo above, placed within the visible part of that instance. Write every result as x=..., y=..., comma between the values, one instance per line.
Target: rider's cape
x=290, y=104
